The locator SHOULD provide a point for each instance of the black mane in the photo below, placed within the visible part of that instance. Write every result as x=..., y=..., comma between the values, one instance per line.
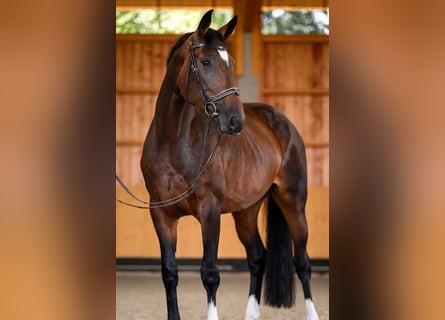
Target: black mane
x=178, y=43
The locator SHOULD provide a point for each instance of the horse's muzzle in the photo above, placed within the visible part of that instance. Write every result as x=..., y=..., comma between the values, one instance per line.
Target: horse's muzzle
x=232, y=124
x=235, y=125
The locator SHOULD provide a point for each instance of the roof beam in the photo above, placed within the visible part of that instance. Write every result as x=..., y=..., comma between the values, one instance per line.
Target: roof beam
x=172, y=4
x=196, y=4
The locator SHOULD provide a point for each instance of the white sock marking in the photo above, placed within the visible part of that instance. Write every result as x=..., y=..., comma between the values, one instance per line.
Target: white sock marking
x=212, y=313
x=253, y=309
x=224, y=55
x=311, y=313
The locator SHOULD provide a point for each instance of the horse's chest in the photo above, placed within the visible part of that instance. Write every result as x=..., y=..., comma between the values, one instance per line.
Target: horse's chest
x=169, y=180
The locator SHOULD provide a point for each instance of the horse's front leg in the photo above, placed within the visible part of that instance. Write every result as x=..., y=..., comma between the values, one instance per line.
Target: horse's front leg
x=247, y=230
x=166, y=229
x=210, y=226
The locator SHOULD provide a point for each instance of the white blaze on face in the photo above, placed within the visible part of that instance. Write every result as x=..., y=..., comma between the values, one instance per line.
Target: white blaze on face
x=212, y=314
x=224, y=55
x=253, y=309
x=311, y=313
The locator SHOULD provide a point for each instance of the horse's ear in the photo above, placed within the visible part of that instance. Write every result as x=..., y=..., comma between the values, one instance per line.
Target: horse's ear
x=227, y=29
x=205, y=23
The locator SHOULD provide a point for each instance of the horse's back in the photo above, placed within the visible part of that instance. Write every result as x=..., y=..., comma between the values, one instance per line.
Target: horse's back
x=281, y=126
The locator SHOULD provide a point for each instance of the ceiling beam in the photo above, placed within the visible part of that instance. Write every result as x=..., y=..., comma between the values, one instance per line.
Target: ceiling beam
x=174, y=4
x=205, y=4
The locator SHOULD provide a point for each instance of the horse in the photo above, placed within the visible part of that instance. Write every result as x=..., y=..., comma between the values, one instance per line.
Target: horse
x=206, y=154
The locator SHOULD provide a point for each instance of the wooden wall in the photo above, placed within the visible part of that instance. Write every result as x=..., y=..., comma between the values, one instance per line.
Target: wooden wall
x=140, y=68
x=294, y=77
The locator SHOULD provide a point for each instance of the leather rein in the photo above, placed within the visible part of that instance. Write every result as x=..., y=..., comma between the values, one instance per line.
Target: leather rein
x=211, y=111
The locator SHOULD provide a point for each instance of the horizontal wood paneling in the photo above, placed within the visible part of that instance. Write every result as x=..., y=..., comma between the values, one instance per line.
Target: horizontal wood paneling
x=140, y=69
x=295, y=79
x=294, y=92
x=295, y=66
x=296, y=38
x=310, y=114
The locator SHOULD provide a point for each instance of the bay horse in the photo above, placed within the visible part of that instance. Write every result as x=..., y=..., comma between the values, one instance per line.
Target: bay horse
x=206, y=153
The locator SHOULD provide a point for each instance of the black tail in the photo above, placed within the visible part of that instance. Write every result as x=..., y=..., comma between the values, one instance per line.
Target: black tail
x=280, y=277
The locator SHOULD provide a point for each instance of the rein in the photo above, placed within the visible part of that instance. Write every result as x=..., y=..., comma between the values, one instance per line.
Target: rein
x=186, y=193
x=211, y=112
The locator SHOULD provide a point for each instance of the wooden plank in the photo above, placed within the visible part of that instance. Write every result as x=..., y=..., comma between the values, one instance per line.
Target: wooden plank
x=315, y=166
x=119, y=119
x=128, y=65
x=127, y=165
x=136, y=91
x=317, y=215
x=158, y=61
x=137, y=64
x=316, y=144
x=317, y=119
x=319, y=70
x=147, y=65
x=295, y=68
x=295, y=38
x=294, y=92
x=147, y=37
x=119, y=64
x=126, y=142
x=133, y=117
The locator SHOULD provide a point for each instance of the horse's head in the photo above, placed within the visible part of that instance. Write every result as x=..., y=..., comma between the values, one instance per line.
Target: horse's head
x=206, y=78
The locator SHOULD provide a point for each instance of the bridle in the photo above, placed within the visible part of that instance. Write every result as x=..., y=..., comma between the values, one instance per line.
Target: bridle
x=209, y=101
x=211, y=112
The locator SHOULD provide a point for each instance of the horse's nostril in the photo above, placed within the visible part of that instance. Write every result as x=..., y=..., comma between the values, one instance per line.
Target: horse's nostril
x=232, y=123
x=234, y=126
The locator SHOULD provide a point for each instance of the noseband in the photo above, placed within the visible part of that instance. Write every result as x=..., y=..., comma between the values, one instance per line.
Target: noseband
x=209, y=101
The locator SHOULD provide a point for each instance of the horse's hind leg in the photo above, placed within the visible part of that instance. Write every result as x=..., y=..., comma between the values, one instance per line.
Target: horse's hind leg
x=247, y=230
x=292, y=203
x=166, y=229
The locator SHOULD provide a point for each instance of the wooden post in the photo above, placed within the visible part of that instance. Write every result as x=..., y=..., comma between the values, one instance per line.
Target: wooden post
x=239, y=9
x=249, y=17
x=255, y=18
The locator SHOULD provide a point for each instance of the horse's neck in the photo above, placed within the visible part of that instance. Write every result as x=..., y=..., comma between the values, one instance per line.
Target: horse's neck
x=174, y=119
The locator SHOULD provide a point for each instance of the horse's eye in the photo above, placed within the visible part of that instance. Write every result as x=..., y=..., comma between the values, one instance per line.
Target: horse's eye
x=206, y=63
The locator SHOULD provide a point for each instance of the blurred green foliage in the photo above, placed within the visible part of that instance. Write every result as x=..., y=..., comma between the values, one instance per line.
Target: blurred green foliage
x=295, y=22
x=166, y=21
x=182, y=21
